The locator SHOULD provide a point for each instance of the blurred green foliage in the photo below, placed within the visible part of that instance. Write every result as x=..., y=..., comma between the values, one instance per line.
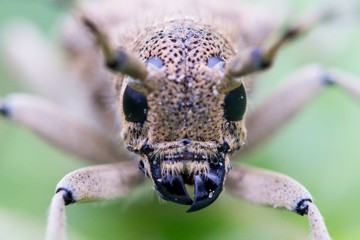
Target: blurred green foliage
x=319, y=148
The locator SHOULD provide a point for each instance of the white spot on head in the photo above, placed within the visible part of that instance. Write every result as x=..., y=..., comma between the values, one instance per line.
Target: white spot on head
x=215, y=92
x=172, y=77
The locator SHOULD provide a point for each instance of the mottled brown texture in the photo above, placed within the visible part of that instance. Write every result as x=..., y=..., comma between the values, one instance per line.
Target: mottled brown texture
x=186, y=100
x=187, y=103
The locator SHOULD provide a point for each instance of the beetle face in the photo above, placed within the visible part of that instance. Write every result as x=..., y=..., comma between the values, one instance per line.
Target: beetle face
x=185, y=127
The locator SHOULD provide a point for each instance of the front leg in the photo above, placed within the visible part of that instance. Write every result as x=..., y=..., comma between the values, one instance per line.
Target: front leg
x=301, y=88
x=53, y=123
x=277, y=190
x=90, y=184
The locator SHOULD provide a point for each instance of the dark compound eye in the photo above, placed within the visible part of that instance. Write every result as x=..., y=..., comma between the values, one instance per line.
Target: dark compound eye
x=235, y=104
x=135, y=105
x=215, y=60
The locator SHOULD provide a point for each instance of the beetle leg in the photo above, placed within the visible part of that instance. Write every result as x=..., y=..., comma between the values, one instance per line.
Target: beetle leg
x=97, y=183
x=301, y=87
x=73, y=79
x=55, y=124
x=277, y=190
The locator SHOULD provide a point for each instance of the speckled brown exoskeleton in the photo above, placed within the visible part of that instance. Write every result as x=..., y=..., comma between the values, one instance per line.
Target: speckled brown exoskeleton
x=164, y=89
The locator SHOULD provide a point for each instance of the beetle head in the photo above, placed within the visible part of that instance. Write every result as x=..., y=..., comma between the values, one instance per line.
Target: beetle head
x=182, y=123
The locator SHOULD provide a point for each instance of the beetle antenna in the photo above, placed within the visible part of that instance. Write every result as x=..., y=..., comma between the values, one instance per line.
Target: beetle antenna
x=119, y=60
x=262, y=57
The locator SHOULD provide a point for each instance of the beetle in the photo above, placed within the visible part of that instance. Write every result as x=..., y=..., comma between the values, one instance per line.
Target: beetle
x=181, y=100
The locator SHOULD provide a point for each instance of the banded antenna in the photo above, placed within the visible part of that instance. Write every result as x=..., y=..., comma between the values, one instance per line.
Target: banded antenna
x=121, y=61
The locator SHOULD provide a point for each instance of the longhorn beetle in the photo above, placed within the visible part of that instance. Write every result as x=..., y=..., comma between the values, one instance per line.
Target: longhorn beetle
x=164, y=96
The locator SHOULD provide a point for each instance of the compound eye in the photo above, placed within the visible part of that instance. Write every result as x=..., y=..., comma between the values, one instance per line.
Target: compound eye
x=215, y=61
x=235, y=104
x=135, y=105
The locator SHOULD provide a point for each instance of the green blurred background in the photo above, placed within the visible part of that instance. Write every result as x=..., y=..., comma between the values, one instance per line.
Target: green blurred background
x=319, y=148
